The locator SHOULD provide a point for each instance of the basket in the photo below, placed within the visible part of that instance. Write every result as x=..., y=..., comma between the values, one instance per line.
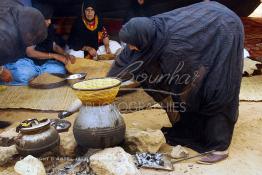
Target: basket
x=98, y=91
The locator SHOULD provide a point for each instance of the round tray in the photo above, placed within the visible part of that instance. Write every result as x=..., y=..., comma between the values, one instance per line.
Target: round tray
x=49, y=85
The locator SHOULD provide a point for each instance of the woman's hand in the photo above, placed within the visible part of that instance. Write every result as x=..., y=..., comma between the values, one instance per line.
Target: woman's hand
x=108, y=51
x=71, y=58
x=61, y=58
x=6, y=75
x=92, y=51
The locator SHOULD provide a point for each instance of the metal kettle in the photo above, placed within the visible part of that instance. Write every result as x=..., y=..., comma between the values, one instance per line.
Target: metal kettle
x=37, y=139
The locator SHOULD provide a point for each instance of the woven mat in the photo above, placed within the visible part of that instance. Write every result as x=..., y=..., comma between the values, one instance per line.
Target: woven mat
x=134, y=101
x=58, y=99
x=251, y=89
x=94, y=69
x=21, y=97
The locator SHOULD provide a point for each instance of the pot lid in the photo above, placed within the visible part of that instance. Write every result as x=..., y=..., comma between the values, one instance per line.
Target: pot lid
x=32, y=125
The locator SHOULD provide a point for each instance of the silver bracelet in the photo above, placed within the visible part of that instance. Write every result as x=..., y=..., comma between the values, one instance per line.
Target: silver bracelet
x=1, y=69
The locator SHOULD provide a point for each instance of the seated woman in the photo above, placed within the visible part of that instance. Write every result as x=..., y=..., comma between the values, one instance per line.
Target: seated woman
x=88, y=33
x=46, y=56
x=138, y=8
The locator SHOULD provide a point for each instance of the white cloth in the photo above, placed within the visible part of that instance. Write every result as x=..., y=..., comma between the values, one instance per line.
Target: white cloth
x=77, y=54
x=246, y=53
x=113, y=45
x=250, y=66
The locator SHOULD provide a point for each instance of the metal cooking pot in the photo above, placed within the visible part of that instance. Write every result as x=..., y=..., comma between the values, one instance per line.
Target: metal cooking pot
x=37, y=139
x=99, y=127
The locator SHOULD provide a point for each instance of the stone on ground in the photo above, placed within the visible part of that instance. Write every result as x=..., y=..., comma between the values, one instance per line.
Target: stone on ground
x=6, y=154
x=179, y=152
x=137, y=140
x=113, y=161
x=67, y=144
x=30, y=166
x=7, y=138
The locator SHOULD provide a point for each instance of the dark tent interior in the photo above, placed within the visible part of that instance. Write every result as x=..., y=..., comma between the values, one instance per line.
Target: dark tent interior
x=114, y=11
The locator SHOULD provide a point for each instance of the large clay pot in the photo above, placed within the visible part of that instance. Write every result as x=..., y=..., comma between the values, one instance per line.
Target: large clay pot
x=99, y=127
x=37, y=139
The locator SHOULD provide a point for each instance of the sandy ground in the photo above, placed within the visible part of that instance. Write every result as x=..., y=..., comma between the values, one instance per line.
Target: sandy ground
x=245, y=151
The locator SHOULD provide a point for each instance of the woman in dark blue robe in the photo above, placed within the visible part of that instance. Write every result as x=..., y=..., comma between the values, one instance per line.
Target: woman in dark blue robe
x=191, y=60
